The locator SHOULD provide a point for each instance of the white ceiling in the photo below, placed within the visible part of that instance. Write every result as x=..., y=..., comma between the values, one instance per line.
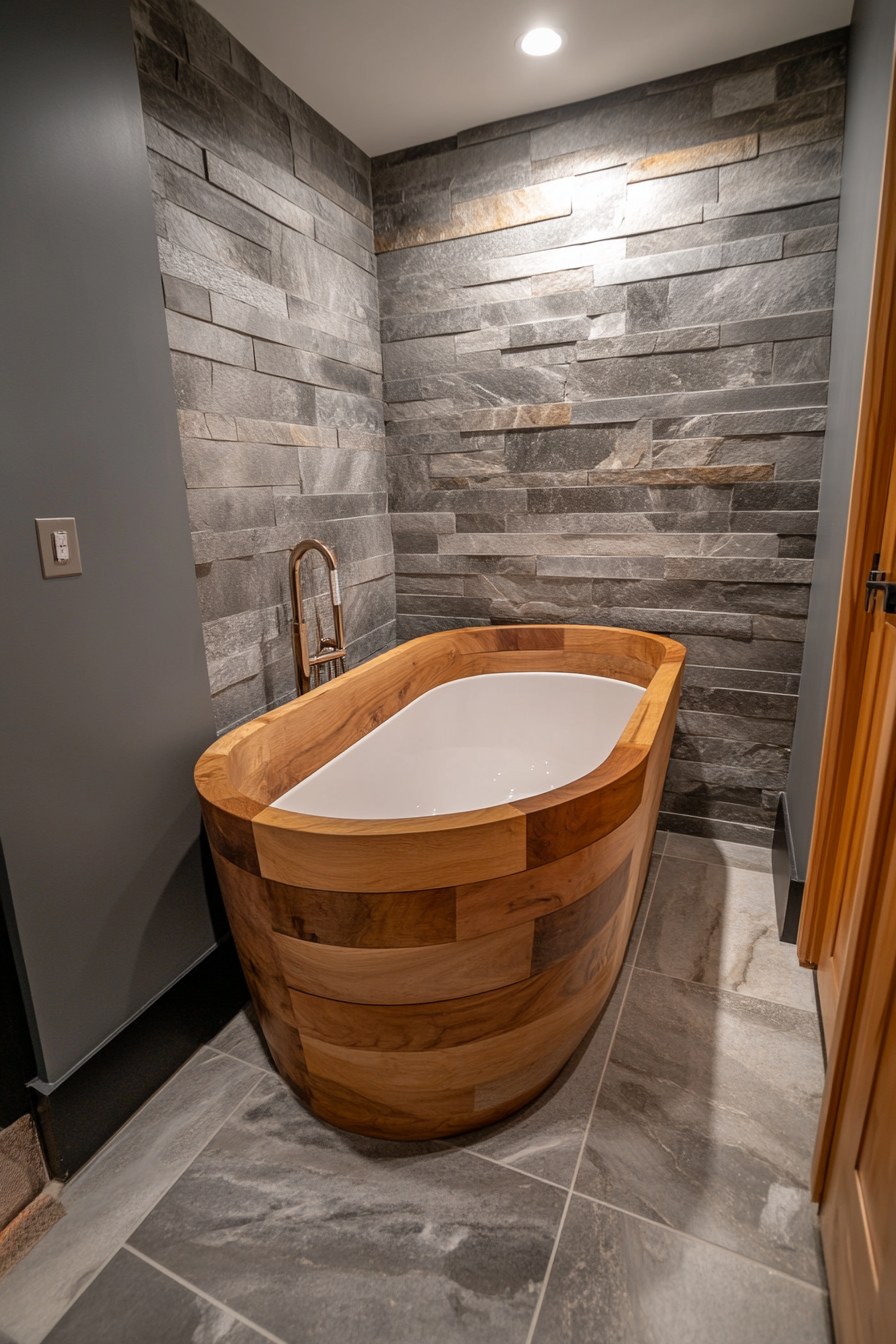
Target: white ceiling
x=394, y=73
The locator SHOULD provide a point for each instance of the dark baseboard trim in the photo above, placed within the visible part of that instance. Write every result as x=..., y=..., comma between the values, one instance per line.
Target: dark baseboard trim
x=17, y=1061
x=78, y=1115
x=788, y=884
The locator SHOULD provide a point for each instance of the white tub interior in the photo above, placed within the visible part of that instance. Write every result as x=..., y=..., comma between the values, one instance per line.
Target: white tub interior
x=473, y=743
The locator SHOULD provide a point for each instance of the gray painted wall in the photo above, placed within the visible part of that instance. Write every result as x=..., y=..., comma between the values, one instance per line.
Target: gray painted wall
x=105, y=702
x=605, y=344
x=266, y=244
x=868, y=84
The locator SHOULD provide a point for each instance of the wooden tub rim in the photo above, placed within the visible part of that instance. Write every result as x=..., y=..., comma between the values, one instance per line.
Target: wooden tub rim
x=626, y=761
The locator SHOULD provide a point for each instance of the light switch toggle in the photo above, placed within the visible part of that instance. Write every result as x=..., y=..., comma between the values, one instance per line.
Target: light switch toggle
x=57, y=542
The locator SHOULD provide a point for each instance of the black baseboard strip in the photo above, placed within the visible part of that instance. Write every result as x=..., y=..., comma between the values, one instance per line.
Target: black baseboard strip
x=78, y=1115
x=17, y=1062
x=788, y=885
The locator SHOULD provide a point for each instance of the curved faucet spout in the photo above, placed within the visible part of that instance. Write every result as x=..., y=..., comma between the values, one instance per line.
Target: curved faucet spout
x=330, y=656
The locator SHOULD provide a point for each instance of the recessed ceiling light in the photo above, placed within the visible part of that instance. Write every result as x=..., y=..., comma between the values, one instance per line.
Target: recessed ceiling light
x=541, y=42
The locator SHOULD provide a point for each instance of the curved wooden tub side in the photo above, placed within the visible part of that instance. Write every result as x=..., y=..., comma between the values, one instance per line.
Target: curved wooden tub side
x=421, y=977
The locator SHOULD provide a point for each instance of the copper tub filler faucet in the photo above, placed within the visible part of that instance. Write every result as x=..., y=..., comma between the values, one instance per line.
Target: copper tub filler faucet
x=313, y=669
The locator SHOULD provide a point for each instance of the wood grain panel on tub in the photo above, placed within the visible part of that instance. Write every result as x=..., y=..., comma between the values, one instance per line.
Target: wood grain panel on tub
x=502, y=902
x=447, y=1022
x=535, y=1049
x=366, y=919
x=559, y=933
x=245, y=901
x=340, y=1093
x=444, y=1112
x=441, y=914
x=408, y=974
x=403, y=855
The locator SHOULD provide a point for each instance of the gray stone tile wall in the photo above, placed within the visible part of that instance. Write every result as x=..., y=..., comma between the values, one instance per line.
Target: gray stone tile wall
x=605, y=401
x=269, y=276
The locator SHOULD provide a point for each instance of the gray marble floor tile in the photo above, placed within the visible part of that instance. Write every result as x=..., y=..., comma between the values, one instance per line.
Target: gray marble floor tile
x=620, y=1280
x=107, y=1199
x=242, y=1038
x=726, y=852
x=659, y=841
x=321, y=1236
x=717, y=926
x=134, y=1302
x=706, y=1119
x=545, y=1138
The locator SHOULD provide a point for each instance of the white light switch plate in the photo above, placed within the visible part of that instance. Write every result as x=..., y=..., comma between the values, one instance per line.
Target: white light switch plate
x=51, y=544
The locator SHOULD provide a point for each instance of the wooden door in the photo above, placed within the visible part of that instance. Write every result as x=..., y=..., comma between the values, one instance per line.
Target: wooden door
x=828, y=929
x=855, y=1161
x=856, y=1152
x=858, y=1209
x=848, y=928
x=858, y=856
x=863, y=825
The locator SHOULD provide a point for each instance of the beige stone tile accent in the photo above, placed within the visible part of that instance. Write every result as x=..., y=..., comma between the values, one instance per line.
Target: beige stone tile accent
x=561, y=282
x=518, y=417
x=486, y=214
x=760, y=471
x=222, y=427
x=192, y=425
x=361, y=441
x=713, y=155
x=279, y=432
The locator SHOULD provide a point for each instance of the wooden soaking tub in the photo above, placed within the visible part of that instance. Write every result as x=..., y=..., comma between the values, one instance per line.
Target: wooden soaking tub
x=422, y=976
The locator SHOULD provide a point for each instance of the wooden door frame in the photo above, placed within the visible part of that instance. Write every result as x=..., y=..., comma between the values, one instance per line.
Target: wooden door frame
x=875, y=447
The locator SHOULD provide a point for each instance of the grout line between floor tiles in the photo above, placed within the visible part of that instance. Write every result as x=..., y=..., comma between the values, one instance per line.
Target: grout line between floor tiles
x=717, y=863
x=508, y=1166
x=185, y=1283
x=533, y=1326
x=703, y=1241
x=227, y=1055
x=122, y=1244
x=722, y=989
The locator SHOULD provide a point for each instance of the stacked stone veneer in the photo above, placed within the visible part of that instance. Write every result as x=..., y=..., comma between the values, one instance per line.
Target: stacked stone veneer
x=267, y=260
x=605, y=341
x=605, y=334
